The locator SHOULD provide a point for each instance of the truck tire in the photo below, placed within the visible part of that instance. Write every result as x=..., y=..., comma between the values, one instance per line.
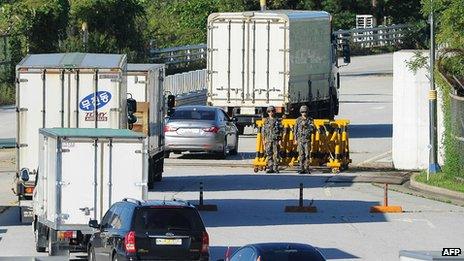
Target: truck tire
x=241, y=129
x=235, y=150
x=38, y=239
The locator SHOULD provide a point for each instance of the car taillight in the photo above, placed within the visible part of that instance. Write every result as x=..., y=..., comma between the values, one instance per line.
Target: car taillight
x=204, y=243
x=213, y=129
x=168, y=128
x=129, y=242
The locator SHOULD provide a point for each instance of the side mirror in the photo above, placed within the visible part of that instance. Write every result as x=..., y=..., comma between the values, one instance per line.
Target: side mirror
x=131, y=106
x=131, y=109
x=24, y=174
x=346, y=53
x=93, y=223
x=171, y=101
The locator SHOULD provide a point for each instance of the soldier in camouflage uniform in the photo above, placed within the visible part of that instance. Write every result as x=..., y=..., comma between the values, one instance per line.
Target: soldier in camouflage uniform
x=302, y=132
x=271, y=133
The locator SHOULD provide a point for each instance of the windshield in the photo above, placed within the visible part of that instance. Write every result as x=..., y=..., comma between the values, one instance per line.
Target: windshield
x=194, y=114
x=167, y=219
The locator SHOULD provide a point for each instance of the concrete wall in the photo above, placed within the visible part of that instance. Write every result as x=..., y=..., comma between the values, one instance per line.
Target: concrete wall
x=410, y=148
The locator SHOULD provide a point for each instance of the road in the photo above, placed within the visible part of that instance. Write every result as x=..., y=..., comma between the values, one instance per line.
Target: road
x=251, y=205
x=251, y=209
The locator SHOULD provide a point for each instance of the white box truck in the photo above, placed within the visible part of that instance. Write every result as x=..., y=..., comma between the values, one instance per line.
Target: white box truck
x=82, y=172
x=67, y=90
x=280, y=58
x=145, y=83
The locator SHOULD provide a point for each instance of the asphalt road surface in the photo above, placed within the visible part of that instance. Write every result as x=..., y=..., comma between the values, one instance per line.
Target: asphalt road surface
x=251, y=206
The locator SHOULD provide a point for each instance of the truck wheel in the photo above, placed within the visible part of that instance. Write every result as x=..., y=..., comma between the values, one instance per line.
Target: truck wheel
x=223, y=153
x=91, y=254
x=235, y=150
x=37, y=235
x=241, y=130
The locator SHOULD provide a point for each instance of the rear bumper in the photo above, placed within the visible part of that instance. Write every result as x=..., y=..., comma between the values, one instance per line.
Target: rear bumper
x=194, y=144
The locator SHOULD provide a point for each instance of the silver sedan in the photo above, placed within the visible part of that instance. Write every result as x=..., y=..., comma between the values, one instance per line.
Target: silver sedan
x=200, y=129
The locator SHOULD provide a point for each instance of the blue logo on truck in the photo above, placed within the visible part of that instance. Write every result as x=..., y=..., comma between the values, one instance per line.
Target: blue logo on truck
x=88, y=102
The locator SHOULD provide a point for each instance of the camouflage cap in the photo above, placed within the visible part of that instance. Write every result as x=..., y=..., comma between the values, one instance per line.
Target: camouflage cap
x=303, y=108
x=270, y=108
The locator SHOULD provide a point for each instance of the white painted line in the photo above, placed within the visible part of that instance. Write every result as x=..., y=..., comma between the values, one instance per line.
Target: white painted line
x=380, y=156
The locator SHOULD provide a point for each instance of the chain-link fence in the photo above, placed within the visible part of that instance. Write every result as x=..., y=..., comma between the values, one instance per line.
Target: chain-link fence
x=457, y=129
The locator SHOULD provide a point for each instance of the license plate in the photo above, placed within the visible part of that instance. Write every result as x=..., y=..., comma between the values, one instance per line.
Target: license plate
x=165, y=241
x=190, y=131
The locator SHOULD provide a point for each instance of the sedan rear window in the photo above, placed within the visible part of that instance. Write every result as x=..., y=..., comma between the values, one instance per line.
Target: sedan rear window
x=194, y=114
x=292, y=255
x=167, y=219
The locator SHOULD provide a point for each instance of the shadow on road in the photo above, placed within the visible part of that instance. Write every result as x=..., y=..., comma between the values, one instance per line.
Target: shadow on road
x=209, y=156
x=371, y=130
x=255, y=212
x=244, y=182
x=11, y=217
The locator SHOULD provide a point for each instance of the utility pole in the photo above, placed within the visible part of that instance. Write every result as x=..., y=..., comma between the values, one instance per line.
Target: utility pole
x=85, y=35
x=434, y=167
x=263, y=5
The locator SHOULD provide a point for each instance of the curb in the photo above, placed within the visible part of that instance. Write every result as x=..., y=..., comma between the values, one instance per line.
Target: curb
x=434, y=190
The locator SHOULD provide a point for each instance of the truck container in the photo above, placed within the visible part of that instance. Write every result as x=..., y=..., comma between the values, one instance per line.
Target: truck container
x=281, y=58
x=82, y=172
x=145, y=84
x=67, y=90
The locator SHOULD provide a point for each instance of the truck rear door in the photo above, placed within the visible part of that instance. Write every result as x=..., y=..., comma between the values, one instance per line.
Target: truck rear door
x=247, y=60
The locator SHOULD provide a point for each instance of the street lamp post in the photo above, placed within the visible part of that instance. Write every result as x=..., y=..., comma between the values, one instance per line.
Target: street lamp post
x=434, y=167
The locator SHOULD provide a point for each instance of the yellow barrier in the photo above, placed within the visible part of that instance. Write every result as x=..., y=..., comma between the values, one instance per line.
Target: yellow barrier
x=329, y=145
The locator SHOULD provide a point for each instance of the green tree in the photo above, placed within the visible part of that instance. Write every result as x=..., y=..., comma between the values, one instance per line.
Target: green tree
x=114, y=26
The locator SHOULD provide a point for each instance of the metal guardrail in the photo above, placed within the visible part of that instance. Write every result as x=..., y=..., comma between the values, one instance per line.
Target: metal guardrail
x=186, y=82
x=372, y=37
x=365, y=37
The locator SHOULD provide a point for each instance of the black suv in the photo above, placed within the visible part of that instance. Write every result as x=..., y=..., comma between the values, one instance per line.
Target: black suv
x=149, y=230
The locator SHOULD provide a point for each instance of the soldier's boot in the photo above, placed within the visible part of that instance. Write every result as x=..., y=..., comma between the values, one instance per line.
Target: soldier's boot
x=270, y=171
x=276, y=169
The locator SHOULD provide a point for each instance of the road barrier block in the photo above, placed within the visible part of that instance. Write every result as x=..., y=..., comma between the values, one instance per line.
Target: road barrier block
x=329, y=145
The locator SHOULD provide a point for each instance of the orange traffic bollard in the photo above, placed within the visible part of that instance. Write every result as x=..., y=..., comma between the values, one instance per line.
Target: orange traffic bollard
x=386, y=208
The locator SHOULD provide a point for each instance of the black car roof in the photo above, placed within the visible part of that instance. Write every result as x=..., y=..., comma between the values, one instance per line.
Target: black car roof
x=203, y=107
x=281, y=246
x=160, y=203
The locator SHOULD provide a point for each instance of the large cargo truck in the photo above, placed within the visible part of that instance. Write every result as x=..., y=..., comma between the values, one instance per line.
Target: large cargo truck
x=80, y=90
x=280, y=58
x=82, y=172
x=67, y=90
x=145, y=84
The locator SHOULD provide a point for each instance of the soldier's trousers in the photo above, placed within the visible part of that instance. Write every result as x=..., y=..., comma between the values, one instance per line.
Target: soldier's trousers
x=304, y=149
x=272, y=153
